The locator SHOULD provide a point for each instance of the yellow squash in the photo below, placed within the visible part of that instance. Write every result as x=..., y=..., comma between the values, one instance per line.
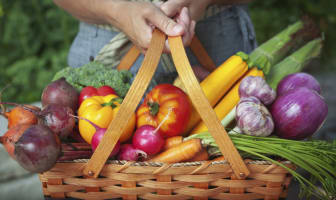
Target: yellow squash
x=219, y=82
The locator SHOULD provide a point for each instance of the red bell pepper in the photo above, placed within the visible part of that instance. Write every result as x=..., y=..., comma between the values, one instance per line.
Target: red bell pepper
x=166, y=106
x=90, y=91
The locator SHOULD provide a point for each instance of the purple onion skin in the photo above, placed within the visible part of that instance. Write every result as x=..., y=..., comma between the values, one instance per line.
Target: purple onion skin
x=256, y=86
x=299, y=113
x=253, y=118
x=296, y=80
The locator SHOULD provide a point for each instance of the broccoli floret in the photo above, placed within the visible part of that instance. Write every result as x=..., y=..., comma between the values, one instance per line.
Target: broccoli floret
x=96, y=74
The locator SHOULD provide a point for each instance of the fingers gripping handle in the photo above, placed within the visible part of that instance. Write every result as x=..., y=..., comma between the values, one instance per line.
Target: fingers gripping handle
x=127, y=108
x=204, y=108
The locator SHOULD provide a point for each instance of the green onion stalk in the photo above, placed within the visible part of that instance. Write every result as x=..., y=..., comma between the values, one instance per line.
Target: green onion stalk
x=316, y=157
x=295, y=62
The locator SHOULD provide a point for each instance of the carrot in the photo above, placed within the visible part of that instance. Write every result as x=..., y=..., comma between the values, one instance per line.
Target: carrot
x=219, y=158
x=172, y=141
x=201, y=156
x=184, y=151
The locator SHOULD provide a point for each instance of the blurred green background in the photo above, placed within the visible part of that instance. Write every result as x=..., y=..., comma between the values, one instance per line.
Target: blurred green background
x=36, y=35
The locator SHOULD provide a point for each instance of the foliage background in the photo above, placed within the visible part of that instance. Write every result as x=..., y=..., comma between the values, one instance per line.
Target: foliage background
x=35, y=37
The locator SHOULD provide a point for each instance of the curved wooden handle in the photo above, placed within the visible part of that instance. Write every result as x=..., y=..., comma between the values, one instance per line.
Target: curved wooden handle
x=204, y=108
x=128, y=106
x=130, y=57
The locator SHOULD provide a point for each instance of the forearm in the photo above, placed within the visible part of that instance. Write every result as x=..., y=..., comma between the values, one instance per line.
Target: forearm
x=90, y=11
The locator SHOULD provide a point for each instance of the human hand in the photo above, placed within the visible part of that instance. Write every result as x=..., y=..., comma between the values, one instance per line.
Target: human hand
x=196, y=7
x=138, y=19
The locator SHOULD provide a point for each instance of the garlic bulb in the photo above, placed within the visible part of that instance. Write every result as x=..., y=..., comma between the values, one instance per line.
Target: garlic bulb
x=253, y=118
x=256, y=86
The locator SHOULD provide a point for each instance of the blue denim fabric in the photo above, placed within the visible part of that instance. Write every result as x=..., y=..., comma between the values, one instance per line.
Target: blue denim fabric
x=222, y=35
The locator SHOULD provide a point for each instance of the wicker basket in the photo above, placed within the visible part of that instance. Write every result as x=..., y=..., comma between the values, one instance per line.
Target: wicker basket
x=98, y=178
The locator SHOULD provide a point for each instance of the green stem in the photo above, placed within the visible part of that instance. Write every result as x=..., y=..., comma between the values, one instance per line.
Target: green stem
x=112, y=102
x=153, y=107
x=229, y=117
x=295, y=62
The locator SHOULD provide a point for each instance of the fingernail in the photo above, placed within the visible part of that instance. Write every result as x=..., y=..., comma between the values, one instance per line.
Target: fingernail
x=178, y=29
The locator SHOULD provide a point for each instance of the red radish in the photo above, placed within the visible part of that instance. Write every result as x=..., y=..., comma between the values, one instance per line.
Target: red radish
x=128, y=152
x=98, y=135
x=148, y=139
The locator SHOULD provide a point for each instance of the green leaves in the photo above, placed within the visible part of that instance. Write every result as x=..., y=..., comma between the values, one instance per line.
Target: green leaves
x=34, y=37
x=316, y=157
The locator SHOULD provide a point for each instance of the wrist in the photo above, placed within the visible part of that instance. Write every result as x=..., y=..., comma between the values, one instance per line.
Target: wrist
x=110, y=11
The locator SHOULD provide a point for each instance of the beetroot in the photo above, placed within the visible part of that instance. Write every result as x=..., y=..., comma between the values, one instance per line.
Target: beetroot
x=11, y=136
x=62, y=93
x=57, y=117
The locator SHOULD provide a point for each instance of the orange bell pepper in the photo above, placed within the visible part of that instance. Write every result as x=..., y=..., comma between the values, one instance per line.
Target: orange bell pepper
x=101, y=110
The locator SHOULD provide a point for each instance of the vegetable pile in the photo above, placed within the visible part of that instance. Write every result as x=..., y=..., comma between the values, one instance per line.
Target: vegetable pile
x=269, y=107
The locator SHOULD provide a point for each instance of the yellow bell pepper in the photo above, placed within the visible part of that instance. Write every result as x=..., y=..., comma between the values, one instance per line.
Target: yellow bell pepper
x=101, y=110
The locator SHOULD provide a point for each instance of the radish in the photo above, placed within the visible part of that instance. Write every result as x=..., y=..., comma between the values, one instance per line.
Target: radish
x=148, y=139
x=97, y=137
x=128, y=152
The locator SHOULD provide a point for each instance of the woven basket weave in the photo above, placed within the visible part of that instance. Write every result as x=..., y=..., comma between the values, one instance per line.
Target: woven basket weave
x=100, y=178
x=141, y=180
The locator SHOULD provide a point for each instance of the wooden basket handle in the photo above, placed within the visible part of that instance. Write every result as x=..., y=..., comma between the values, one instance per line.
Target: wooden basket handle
x=204, y=108
x=196, y=48
x=137, y=90
x=128, y=106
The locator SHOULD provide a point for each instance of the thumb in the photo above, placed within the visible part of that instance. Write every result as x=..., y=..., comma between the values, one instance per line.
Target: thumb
x=166, y=24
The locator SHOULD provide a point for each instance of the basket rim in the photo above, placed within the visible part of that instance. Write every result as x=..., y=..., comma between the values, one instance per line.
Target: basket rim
x=180, y=164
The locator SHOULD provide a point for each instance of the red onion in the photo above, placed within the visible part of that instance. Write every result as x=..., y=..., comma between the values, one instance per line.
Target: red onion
x=128, y=152
x=256, y=86
x=253, y=118
x=148, y=139
x=297, y=80
x=298, y=113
